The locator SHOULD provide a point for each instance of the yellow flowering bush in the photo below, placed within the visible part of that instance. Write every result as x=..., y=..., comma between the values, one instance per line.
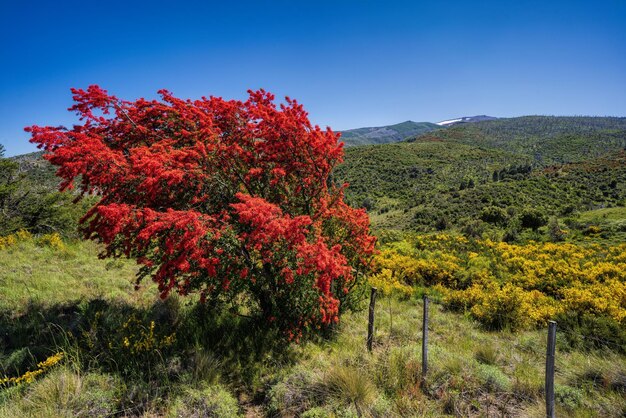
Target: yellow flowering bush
x=387, y=283
x=606, y=299
x=13, y=239
x=134, y=337
x=410, y=269
x=512, y=285
x=137, y=338
x=31, y=375
x=124, y=339
x=52, y=240
x=498, y=307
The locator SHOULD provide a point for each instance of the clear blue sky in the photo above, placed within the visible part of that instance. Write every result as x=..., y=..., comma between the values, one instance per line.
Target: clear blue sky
x=351, y=63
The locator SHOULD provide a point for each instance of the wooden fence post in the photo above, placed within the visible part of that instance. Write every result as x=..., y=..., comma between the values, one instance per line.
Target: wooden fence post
x=370, y=324
x=425, y=338
x=550, y=369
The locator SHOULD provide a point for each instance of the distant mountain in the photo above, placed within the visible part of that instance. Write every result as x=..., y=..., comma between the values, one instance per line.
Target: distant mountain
x=401, y=131
x=38, y=170
x=465, y=119
x=386, y=134
x=545, y=139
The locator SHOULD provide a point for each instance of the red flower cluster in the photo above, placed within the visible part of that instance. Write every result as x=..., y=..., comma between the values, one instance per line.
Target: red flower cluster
x=224, y=198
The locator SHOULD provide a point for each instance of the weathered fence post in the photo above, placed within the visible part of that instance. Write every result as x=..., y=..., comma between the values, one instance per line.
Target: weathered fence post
x=425, y=338
x=370, y=324
x=550, y=369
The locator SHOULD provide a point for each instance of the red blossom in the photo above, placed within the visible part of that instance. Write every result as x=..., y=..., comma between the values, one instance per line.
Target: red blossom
x=220, y=197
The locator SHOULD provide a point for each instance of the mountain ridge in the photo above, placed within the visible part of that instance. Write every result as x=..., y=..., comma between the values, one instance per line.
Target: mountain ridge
x=402, y=131
x=465, y=119
x=385, y=134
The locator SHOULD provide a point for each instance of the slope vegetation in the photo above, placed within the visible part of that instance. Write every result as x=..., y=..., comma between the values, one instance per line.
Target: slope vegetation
x=450, y=177
x=545, y=139
x=103, y=349
x=386, y=134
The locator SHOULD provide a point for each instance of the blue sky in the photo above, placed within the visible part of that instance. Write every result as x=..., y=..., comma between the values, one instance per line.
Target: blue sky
x=351, y=63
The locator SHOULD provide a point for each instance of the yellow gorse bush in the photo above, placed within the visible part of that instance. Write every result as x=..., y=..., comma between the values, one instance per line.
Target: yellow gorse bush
x=141, y=339
x=510, y=285
x=387, y=283
x=13, y=239
x=507, y=306
x=31, y=375
x=135, y=338
x=52, y=240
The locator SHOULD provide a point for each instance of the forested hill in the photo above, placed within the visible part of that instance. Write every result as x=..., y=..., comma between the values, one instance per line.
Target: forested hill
x=545, y=139
x=37, y=170
x=460, y=176
x=386, y=134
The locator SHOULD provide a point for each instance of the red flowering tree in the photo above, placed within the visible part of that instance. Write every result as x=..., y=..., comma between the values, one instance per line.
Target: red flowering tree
x=229, y=199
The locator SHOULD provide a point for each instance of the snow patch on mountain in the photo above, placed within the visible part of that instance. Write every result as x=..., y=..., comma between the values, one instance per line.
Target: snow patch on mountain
x=465, y=119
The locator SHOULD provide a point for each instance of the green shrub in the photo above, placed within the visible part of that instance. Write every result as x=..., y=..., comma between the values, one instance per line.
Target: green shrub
x=212, y=401
x=555, y=232
x=317, y=412
x=567, y=396
x=586, y=331
x=299, y=392
x=493, y=379
x=474, y=228
x=494, y=215
x=533, y=219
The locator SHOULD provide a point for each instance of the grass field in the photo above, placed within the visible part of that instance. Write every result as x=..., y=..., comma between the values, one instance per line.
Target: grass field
x=49, y=275
x=606, y=214
x=126, y=353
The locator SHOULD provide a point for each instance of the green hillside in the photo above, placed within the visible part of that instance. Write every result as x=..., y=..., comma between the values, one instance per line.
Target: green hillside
x=434, y=183
x=410, y=171
x=545, y=139
x=29, y=197
x=386, y=134
x=38, y=170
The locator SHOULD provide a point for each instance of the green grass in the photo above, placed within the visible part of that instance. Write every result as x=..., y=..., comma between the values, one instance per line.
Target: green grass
x=230, y=359
x=31, y=273
x=459, y=382
x=604, y=215
x=598, y=226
